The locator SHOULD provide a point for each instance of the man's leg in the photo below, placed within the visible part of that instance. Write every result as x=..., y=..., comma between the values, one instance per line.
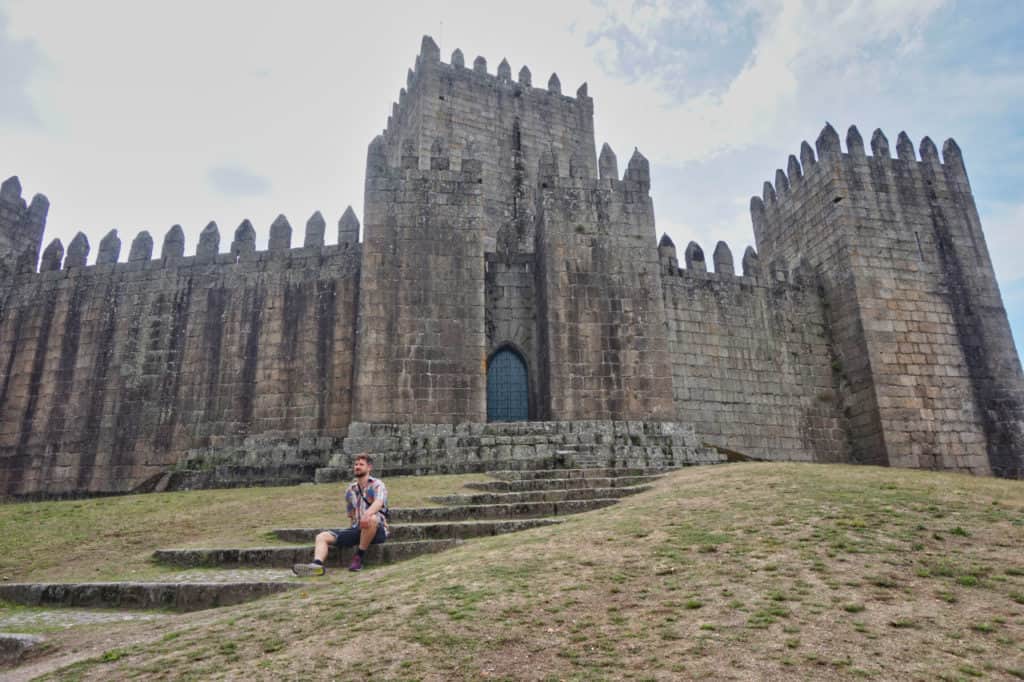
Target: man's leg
x=366, y=535
x=366, y=538
x=324, y=540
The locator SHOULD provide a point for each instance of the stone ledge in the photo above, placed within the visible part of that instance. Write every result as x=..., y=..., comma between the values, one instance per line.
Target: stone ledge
x=520, y=510
x=14, y=648
x=432, y=531
x=577, y=483
x=558, y=495
x=258, y=557
x=138, y=595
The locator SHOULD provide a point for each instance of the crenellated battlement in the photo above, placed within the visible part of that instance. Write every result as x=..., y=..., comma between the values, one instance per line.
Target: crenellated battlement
x=444, y=161
x=400, y=121
x=21, y=228
x=826, y=161
x=509, y=121
x=430, y=54
x=722, y=268
x=56, y=263
x=556, y=172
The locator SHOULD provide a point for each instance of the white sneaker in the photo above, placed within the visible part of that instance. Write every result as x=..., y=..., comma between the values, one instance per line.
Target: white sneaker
x=306, y=570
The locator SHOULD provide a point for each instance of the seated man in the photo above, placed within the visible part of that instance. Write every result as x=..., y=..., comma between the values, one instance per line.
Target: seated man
x=367, y=503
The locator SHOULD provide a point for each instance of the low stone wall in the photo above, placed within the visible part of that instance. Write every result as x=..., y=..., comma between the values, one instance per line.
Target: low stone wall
x=405, y=449
x=268, y=459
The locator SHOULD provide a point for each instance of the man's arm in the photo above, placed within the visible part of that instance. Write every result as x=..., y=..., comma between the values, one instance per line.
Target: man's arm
x=350, y=506
x=371, y=512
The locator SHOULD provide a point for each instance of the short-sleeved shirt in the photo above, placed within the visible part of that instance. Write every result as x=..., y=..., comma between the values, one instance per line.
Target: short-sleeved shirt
x=354, y=502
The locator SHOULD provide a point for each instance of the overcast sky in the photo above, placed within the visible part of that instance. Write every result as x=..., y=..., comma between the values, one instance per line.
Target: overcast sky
x=135, y=115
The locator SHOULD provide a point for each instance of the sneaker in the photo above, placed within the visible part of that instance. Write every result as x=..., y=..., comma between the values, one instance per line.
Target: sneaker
x=357, y=563
x=304, y=570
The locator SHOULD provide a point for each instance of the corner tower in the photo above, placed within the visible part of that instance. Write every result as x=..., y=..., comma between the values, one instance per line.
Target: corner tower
x=931, y=376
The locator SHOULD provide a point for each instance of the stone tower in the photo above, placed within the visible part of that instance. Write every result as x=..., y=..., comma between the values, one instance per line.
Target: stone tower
x=931, y=374
x=486, y=228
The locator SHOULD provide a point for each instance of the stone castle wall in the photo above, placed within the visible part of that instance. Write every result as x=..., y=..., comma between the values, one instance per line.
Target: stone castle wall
x=752, y=362
x=867, y=328
x=109, y=373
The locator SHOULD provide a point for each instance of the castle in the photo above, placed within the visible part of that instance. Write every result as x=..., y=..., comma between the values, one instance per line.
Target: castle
x=508, y=274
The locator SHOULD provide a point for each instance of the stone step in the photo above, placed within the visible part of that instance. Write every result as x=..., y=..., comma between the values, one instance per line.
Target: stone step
x=561, y=495
x=481, y=512
x=15, y=648
x=459, y=530
x=590, y=472
x=522, y=485
x=180, y=596
x=431, y=463
x=285, y=556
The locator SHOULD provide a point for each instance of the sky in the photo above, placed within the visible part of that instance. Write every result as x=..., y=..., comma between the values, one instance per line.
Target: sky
x=137, y=114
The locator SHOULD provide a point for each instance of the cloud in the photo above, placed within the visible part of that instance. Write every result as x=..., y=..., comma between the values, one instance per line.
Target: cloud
x=685, y=47
x=237, y=182
x=20, y=61
x=804, y=60
x=1013, y=299
x=1002, y=223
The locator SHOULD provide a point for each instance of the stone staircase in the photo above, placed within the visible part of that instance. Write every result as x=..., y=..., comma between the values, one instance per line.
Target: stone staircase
x=514, y=500
x=277, y=458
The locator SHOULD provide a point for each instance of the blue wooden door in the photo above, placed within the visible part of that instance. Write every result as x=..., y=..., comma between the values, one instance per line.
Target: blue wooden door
x=508, y=396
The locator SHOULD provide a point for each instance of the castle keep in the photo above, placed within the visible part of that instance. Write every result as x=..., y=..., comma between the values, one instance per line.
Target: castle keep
x=510, y=300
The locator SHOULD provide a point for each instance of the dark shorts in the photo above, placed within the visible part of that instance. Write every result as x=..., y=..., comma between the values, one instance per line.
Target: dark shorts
x=349, y=537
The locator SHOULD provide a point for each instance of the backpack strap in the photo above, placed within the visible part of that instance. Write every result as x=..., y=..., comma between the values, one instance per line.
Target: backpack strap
x=383, y=509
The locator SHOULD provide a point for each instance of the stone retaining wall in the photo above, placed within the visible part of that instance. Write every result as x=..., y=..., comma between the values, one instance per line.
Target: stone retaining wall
x=465, y=448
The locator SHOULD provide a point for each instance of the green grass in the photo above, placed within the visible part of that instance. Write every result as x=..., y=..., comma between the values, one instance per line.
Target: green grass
x=818, y=572
x=113, y=537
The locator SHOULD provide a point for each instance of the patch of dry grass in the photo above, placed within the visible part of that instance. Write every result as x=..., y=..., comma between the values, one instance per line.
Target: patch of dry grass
x=113, y=537
x=745, y=572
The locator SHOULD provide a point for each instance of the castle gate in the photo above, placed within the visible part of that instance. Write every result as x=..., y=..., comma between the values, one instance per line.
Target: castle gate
x=507, y=388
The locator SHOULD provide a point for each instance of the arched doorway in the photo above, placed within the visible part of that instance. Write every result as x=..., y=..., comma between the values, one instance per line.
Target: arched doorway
x=508, y=393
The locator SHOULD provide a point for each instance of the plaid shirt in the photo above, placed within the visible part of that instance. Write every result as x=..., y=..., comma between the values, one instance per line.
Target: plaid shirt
x=357, y=504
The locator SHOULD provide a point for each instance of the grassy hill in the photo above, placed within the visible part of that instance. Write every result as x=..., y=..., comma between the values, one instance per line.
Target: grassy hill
x=747, y=571
x=111, y=538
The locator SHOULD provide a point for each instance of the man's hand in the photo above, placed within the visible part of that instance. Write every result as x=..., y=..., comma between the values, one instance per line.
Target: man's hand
x=366, y=521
